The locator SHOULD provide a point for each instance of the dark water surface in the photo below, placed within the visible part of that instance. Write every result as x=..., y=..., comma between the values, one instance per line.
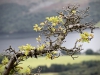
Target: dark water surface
x=21, y=39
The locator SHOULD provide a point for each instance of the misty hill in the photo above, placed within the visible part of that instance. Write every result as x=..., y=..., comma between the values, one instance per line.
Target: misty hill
x=19, y=16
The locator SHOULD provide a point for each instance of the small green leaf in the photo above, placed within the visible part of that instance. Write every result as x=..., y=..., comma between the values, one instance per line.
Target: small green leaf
x=28, y=71
x=26, y=52
x=5, y=61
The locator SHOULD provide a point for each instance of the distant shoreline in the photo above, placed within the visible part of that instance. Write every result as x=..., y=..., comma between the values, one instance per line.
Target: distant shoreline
x=25, y=35
x=18, y=35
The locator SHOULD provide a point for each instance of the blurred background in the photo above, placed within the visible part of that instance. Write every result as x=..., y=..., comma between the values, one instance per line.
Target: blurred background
x=17, y=18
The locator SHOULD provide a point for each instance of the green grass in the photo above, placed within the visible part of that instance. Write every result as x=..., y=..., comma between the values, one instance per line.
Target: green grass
x=49, y=73
x=33, y=62
x=61, y=60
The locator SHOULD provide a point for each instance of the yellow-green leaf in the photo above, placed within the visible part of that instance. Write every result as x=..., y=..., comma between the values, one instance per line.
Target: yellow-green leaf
x=28, y=71
x=5, y=61
x=39, y=38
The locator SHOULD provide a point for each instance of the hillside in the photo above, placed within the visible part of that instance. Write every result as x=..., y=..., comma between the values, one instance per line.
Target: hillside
x=45, y=5
x=19, y=16
x=98, y=24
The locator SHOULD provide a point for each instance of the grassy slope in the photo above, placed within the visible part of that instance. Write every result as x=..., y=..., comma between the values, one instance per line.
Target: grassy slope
x=49, y=73
x=61, y=60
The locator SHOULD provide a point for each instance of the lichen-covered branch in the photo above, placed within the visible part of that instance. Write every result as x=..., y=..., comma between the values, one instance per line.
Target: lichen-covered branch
x=67, y=21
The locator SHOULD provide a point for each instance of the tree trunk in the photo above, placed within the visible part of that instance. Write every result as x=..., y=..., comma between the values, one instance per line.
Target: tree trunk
x=9, y=66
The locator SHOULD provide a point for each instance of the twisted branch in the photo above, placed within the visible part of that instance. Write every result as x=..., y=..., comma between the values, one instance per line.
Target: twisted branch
x=72, y=23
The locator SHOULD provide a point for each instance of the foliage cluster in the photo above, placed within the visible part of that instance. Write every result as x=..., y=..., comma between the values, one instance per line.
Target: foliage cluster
x=91, y=52
x=1, y=57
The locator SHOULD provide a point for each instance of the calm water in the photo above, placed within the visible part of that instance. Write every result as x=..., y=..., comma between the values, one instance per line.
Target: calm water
x=30, y=38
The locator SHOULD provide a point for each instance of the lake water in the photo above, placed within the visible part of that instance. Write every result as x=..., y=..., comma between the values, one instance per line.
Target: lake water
x=23, y=39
